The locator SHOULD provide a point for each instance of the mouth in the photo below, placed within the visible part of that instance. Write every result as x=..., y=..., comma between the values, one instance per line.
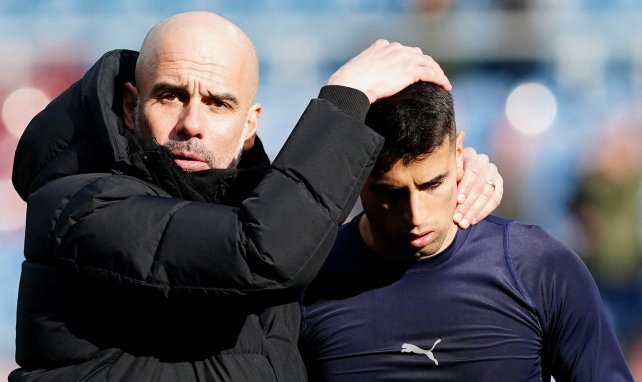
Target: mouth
x=422, y=239
x=189, y=161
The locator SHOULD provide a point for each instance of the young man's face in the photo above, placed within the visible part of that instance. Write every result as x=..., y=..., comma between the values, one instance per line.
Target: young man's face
x=409, y=208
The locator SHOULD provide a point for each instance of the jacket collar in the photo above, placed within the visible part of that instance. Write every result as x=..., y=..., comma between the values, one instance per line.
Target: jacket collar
x=82, y=131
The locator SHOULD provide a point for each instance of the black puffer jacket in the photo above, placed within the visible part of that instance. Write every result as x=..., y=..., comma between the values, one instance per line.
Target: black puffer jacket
x=125, y=279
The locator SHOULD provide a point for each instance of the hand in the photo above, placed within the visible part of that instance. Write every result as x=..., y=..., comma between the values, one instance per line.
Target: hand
x=386, y=68
x=480, y=189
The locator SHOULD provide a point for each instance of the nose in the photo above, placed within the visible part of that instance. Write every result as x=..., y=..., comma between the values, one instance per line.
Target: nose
x=190, y=124
x=417, y=210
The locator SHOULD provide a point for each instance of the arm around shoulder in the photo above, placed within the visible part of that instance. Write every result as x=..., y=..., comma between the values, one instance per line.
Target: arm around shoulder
x=120, y=230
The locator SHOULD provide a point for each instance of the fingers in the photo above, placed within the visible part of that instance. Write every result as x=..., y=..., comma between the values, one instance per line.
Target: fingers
x=493, y=202
x=475, y=192
x=426, y=68
x=385, y=68
x=472, y=167
x=432, y=72
x=485, y=202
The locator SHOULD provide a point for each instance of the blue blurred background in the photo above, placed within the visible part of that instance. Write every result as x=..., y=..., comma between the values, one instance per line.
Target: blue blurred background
x=550, y=90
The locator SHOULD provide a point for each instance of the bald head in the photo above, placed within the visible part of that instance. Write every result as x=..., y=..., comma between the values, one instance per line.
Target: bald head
x=200, y=38
x=196, y=79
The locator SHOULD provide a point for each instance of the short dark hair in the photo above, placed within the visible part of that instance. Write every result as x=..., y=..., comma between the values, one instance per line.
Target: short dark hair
x=415, y=122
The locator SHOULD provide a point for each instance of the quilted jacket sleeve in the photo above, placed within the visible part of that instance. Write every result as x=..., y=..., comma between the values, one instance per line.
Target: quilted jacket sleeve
x=115, y=229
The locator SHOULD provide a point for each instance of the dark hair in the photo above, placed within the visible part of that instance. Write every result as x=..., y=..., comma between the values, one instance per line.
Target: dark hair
x=415, y=122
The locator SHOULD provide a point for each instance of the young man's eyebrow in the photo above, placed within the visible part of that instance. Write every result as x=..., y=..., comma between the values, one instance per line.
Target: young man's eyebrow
x=438, y=179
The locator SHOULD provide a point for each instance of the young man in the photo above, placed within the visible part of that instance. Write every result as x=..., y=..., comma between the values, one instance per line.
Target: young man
x=407, y=296
x=161, y=245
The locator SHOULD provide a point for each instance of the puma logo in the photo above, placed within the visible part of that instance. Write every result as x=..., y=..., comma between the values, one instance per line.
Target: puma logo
x=410, y=348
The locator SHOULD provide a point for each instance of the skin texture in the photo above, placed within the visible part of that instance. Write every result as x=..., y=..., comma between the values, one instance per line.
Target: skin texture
x=196, y=78
x=408, y=209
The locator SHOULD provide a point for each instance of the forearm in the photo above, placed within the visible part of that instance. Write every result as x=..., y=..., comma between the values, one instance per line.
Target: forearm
x=124, y=233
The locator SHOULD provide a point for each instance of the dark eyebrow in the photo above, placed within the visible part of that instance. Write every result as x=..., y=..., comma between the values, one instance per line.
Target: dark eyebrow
x=389, y=190
x=434, y=181
x=223, y=98
x=437, y=179
x=165, y=87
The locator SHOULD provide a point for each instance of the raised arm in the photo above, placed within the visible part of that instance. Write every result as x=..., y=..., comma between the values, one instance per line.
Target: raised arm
x=118, y=230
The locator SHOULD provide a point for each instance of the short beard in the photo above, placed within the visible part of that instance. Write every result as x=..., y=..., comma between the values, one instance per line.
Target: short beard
x=194, y=145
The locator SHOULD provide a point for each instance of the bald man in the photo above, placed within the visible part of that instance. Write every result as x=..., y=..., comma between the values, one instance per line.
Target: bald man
x=161, y=244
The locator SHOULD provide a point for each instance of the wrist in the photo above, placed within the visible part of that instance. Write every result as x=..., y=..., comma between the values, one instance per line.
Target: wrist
x=350, y=100
x=335, y=80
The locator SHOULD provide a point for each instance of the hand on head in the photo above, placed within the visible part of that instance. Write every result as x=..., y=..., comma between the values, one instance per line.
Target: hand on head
x=386, y=68
x=383, y=70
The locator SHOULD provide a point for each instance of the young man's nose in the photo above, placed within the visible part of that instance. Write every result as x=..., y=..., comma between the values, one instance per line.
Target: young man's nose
x=417, y=210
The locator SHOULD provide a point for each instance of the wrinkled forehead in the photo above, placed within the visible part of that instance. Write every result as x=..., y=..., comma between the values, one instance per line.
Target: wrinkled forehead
x=205, y=60
x=202, y=41
x=219, y=54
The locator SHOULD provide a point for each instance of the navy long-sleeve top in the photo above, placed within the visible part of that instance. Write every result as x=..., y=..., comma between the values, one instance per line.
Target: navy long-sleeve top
x=504, y=302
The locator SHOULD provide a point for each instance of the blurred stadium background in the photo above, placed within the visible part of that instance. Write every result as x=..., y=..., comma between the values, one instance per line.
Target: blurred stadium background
x=550, y=90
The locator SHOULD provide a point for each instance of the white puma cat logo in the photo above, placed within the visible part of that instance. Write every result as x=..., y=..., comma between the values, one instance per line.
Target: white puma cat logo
x=410, y=348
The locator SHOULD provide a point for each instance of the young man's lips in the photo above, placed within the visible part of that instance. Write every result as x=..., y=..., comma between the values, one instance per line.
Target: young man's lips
x=421, y=240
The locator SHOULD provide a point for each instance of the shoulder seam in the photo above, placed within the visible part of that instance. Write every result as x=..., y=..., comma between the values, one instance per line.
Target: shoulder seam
x=511, y=268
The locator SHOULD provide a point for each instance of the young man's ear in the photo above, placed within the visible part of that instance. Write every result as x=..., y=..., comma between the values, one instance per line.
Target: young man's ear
x=252, y=123
x=459, y=154
x=130, y=99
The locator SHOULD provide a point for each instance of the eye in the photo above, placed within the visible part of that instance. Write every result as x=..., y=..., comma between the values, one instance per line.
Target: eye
x=217, y=103
x=169, y=96
x=389, y=192
x=431, y=186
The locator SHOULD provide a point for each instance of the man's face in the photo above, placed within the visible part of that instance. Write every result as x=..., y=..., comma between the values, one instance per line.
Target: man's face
x=199, y=106
x=409, y=209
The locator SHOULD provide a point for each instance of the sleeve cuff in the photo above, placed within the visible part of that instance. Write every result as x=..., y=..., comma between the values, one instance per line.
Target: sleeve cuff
x=351, y=101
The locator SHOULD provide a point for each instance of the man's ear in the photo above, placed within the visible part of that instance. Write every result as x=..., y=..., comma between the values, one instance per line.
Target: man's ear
x=130, y=99
x=459, y=154
x=252, y=123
